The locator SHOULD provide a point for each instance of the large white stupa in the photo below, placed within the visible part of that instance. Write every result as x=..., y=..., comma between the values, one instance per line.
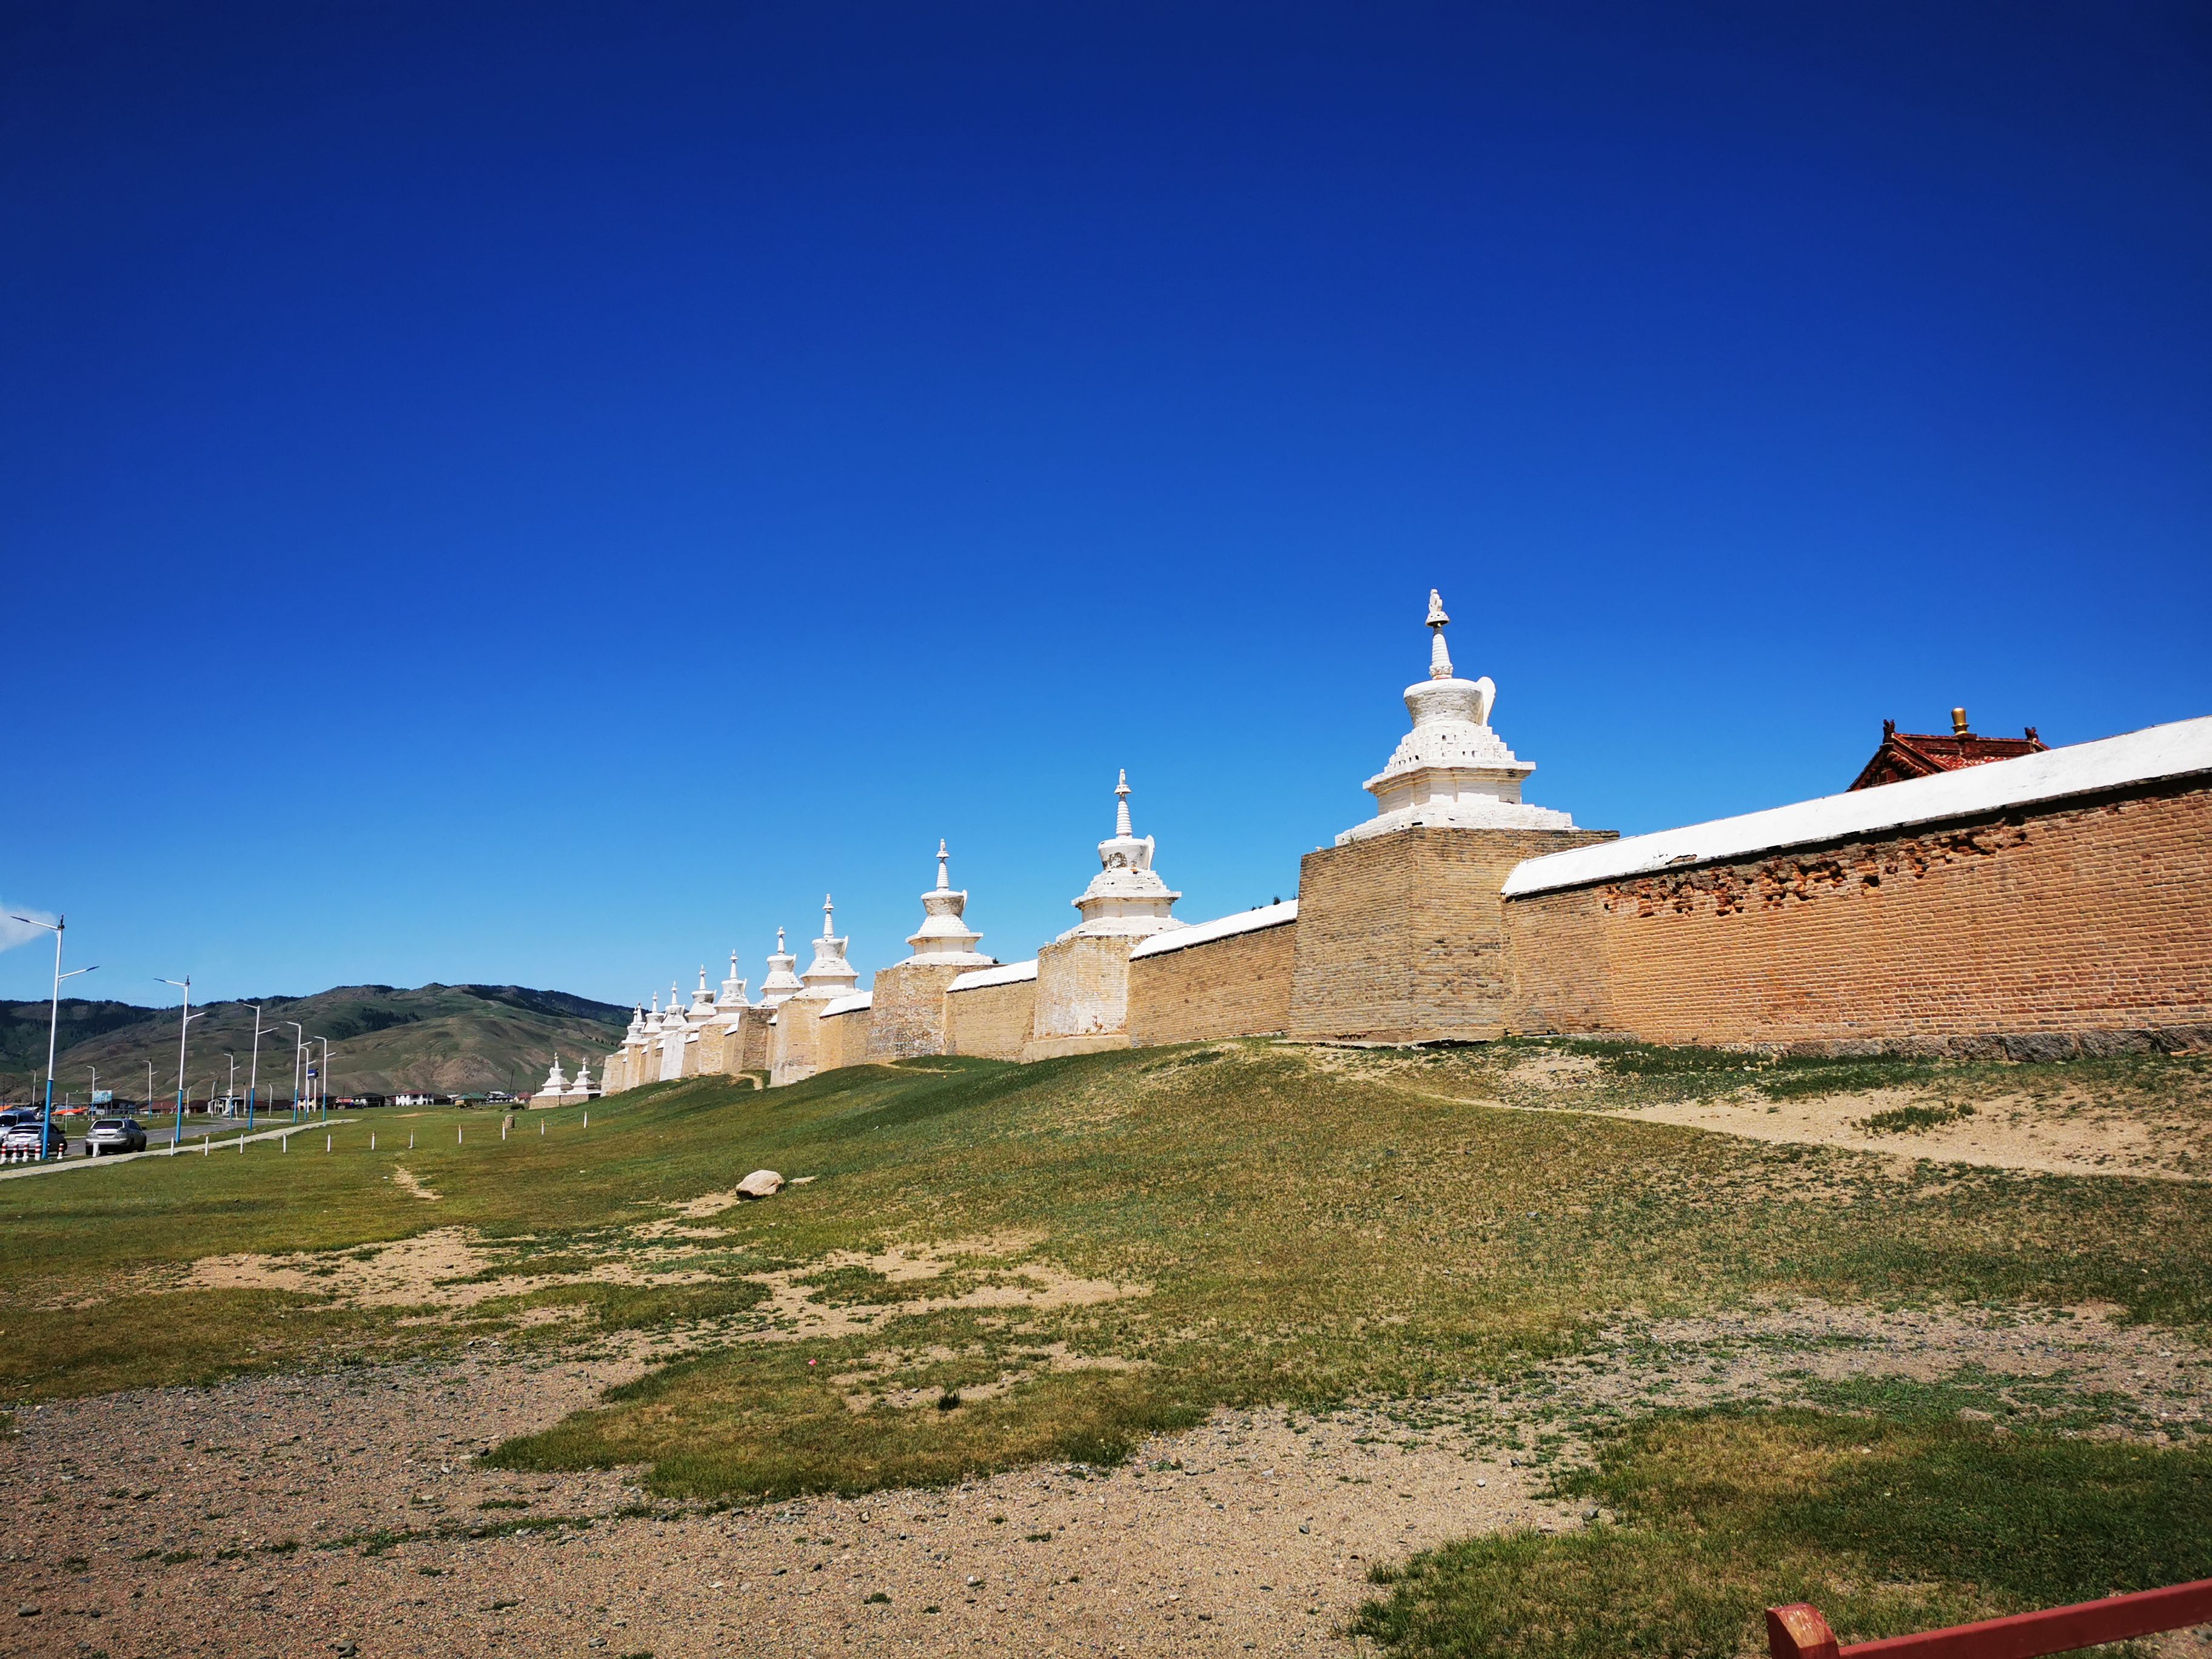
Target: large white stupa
x=945, y=935
x=1126, y=897
x=1451, y=770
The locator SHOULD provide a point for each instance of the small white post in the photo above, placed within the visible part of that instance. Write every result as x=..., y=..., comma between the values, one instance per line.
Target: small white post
x=326, y=1143
x=372, y=1140
x=411, y=1140
x=204, y=1145
x=587, y=1120
x=456, y=1134
x=541, y=1128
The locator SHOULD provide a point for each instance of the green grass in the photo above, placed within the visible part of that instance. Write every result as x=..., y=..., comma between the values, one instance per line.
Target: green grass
x=1886, y=1524
x=1285, y=1229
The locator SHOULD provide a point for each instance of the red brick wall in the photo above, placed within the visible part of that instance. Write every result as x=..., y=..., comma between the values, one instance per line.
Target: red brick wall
x=2082, y=917
x=1239, y=986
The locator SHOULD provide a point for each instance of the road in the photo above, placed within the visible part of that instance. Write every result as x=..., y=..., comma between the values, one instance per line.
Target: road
x=223, y=1133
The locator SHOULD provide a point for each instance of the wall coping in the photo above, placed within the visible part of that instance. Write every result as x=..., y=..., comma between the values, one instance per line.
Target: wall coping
x=1205, y=932
x=1011, y=973
x=853, y=1003
x=2181, y=749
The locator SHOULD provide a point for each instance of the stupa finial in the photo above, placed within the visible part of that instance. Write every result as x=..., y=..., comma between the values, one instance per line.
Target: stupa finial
x=1440, y=662
x=829, y=914
x=779, y=941
x=943, y=880
x=1121, y=808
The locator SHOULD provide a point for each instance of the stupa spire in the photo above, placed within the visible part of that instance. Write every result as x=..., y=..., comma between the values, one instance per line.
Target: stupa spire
x=943, y=936
x=1440, y=666
x=780, y=983
x=1451, y=771
x=828, y=974
x=1125, y=896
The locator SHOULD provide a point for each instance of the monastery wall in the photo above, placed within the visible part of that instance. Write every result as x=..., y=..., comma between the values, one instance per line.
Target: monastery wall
x=909, y=1009
x=796, y=1053
x=1082, y=996
x=1231, y=978
x=842, y=1039
x=751, y=1045
x=1400, y=937
x=991, y=1020
x=2033, y=930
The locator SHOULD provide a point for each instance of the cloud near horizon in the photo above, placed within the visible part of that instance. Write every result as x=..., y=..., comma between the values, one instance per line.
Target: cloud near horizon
x=14, y=932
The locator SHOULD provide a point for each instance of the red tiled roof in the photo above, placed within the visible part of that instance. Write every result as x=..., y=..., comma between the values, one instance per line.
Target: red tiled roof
x=1923, y=753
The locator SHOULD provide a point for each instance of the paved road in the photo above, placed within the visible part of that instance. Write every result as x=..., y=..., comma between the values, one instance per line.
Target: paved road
x=224, y=1138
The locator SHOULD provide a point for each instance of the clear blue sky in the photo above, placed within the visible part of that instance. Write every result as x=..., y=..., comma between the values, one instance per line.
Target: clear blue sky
x=538, y=493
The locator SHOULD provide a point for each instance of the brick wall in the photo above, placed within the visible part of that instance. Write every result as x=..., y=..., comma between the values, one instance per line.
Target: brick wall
x=843, y=1040
x=798, y=1049
x=753, y=1049
x=909, y=1009
x=993, y=1021
x=1402, y=938
x=1082, y=987
x=1239, y=986
x=2042, y=924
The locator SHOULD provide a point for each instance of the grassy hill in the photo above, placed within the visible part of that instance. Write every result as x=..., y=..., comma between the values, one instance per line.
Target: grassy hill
x=448, y=1037
x=1118, y=1244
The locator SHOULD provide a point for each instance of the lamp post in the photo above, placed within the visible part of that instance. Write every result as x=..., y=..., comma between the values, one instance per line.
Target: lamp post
x=253, y=1069
x=230, y=1089
x=299, y=1031
x=53, y=1022
x=323, y=1079
x=184, y=1024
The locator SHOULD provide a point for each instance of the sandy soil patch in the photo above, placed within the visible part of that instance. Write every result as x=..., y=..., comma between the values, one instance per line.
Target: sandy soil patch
x=409, y=1182
x=798, y=1310
x=2010, y=1133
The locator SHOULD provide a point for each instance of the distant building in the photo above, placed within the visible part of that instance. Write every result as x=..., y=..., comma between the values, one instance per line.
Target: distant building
x=1922, y=755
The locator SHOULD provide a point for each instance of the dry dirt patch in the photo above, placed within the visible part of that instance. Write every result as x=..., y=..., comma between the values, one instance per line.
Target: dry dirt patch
x=2013, y=1132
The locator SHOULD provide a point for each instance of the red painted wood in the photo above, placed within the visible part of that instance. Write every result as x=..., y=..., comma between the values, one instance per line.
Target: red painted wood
x=1798, y=1632
x=2022, y=1635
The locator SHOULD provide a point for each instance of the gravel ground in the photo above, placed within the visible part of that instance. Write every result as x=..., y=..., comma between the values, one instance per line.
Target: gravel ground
x=297, y=1516
x=1261, y=1539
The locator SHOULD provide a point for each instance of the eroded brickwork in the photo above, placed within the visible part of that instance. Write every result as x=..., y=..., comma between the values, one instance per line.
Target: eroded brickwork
x=798, y=1047
x=1239, y=986
x=992, y=1021
x=1083, y=986
x=1402, y=938
x=2086, y=918
x=909, y=1009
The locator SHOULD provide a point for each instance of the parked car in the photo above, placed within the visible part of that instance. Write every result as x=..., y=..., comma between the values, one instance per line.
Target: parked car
x=115, y=1134
x=23, y=1141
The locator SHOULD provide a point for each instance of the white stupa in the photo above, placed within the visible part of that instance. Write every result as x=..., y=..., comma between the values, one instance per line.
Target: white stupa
x=1451, y=770
x=652, y=1020
x=583, y=1088
x=1125, y=897
x=733, y=991
x=945, y=935
x=554, y=1089
x=702, y=1001
x=829, y=975
x=781, y=984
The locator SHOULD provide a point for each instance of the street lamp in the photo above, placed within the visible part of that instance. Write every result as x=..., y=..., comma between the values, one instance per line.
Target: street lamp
x=299, y=1031
x=323, y=1078
x=184, y=1024
x=253, y=1069
x=53, y=1022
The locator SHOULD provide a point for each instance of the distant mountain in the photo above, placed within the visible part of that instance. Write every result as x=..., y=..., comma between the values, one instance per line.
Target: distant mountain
x=451, y=1039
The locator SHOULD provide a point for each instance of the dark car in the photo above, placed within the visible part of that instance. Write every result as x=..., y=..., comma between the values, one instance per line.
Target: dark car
x=115, y=1134
x=23, y=1140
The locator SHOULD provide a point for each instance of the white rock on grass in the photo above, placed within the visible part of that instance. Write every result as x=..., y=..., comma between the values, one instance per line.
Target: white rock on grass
x=761, y=1183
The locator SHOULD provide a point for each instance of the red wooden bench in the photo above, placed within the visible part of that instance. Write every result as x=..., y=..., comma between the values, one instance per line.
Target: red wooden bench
x=1798, y=1631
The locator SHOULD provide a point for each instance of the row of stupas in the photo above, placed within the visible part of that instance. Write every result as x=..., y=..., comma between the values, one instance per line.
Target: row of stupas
x=1451, y=771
